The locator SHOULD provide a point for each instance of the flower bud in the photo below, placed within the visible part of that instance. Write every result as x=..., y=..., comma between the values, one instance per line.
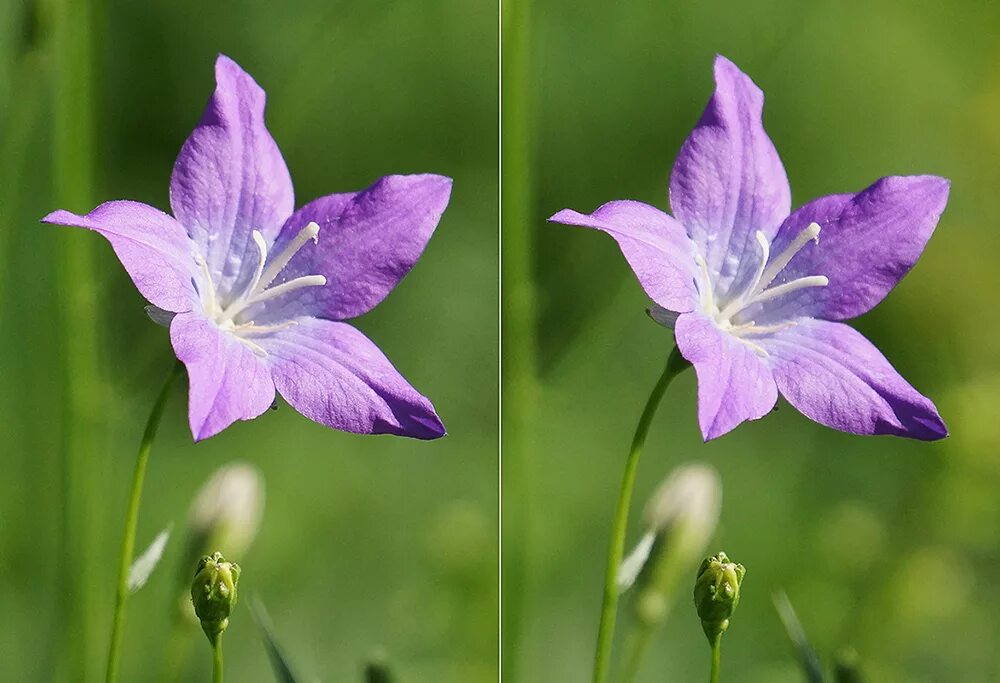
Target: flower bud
x=227, y=510
x=680, y=519
x=717, y=593
x=214, y=592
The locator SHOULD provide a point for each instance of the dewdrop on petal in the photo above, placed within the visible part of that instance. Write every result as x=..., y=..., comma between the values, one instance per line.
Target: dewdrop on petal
x=214, y=592
x=717, y=593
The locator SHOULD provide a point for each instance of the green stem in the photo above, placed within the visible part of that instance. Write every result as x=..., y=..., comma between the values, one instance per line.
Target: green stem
x=71, y=48
x=716, y=659
x=132, y=521
x=519, y=366
x=616, y=548
x=217, y=659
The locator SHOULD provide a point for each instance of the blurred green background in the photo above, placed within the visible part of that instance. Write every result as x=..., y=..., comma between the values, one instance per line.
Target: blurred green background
x=366, y=542
x=886, y=545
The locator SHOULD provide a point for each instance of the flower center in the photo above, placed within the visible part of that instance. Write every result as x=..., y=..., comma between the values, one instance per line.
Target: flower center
x=758, y=290
x=229, y=316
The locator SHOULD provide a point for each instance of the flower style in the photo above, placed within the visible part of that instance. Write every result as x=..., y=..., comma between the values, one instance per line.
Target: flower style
x=756, y=296
x=256, y=295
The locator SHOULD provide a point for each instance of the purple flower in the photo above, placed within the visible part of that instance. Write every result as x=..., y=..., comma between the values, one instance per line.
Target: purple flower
x=756, y=296
x=255, y=294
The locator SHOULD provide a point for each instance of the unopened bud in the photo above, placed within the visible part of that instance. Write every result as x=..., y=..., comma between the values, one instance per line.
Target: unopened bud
x=227, y=510
x=214, y=593
x=681, y=517
x=717, y=593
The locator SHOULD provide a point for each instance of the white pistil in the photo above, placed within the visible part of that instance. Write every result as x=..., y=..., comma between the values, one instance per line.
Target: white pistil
x=286, y=287
x=810, y=234
x=258, y=289
x=758, y=289
x=310, y=232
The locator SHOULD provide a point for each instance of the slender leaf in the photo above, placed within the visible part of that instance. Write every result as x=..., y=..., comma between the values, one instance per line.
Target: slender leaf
x=144, y=565
x=279, y=661
x=811, y=664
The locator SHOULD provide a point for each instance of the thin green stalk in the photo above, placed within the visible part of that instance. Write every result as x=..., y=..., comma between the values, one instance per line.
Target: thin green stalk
x=716, y=659
x=518, y=325
x=132, y=521
x=217, y=659
x=616, y=548
x=69, y=29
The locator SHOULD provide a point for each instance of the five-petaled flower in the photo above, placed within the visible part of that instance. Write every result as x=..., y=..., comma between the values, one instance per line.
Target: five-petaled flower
x=255, y=294
x=755, y=295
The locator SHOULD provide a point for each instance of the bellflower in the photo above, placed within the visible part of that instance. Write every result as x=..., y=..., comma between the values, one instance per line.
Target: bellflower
x=255, y=294
x=756, y=294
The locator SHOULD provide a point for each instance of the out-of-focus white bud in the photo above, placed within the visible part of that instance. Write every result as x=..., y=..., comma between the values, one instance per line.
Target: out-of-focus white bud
x=686, y=505
x=227, y=510
x=680, y=518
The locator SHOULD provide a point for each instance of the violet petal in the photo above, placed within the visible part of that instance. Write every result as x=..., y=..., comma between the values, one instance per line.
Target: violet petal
x=868, y=242
x=654, y=244
x=368, y=241
x=333, y=374
x=734, y=383
x=833, y=375
x=230, y=178
x=228, y=381
x=728, y=181
x=152, y=246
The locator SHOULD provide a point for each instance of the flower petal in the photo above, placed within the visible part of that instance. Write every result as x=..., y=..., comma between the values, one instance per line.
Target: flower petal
x=654, y=244
x=368, y=241
x=734, y=383
x=228, y=381
x=835, y=376
x=728, y=181
x=868, y=242
x=333, y=374
x=153, y=247
x=230, y=178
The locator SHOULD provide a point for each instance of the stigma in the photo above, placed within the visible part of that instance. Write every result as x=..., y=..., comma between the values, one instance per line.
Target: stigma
x=259, y=289
x=726, y=313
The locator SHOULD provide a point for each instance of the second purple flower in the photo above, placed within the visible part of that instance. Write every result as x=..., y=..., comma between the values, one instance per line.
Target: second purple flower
x=755, y=293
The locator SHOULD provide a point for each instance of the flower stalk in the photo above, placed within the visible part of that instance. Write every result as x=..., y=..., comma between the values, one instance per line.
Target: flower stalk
x=681, y=517
x=131, y=523
x=616, y=547
x=519, y=365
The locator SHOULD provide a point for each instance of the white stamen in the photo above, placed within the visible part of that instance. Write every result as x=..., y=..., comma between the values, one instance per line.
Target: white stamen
x=258, y=289
x=753, y=328
x=310, y=232
x=738, y=303
x=257, y=349
x=758, y=289
x=787, y=287
x=705, y=286
x=253, y=328
x=208, y=298
x=290, y=286
x=261, y=259
x=810, y=234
